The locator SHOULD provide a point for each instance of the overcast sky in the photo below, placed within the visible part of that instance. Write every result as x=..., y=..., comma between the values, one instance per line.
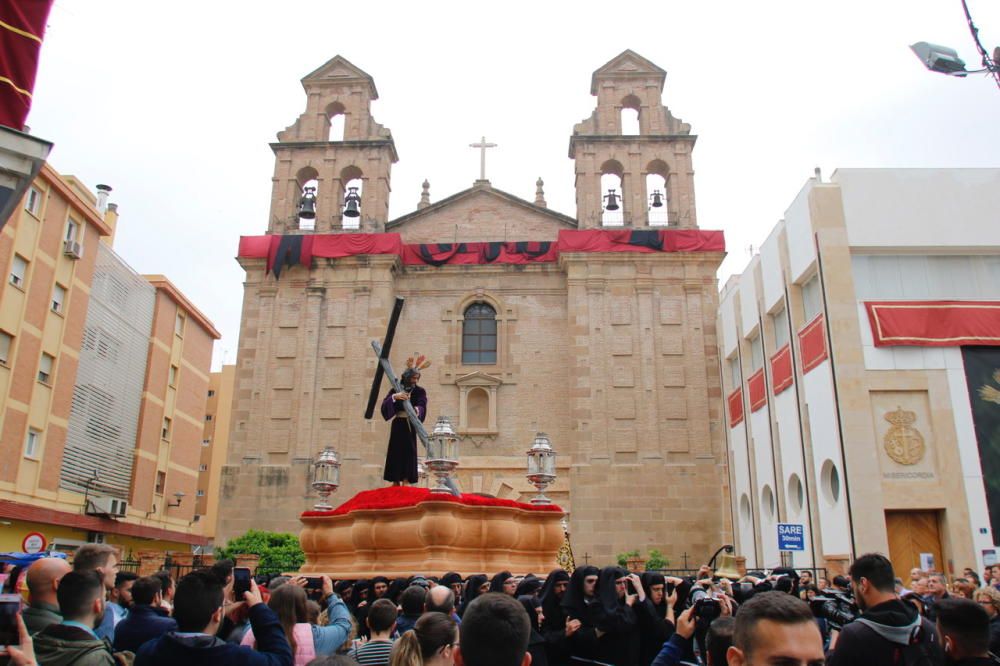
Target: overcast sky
x=174, y=104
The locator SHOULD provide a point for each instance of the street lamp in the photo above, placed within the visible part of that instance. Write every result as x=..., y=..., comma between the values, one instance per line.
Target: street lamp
x=946, y=61
x=541, y=467
x=442, y=454
x=326, y=477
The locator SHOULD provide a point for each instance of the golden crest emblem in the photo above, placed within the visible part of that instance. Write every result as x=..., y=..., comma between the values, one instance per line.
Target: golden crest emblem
x=903, y=442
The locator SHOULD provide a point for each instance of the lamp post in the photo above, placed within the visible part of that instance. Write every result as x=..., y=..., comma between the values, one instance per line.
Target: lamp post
x=541, y=467
x=326, y=477
x=442, y=454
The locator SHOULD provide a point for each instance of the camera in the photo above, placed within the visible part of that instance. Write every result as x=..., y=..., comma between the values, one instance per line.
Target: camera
x=706, y=607
x=837, y=608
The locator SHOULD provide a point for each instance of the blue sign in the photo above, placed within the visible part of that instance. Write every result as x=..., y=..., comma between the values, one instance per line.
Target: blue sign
x=791, y=537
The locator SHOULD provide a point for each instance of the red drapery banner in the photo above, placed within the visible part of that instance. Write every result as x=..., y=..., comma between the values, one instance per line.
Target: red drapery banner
x=812, y=343
x=22, y=26
x=291, y=249
x=934, y=323
x=781, y=369
x=735, y=401
x=757, y=390
x=396, y=497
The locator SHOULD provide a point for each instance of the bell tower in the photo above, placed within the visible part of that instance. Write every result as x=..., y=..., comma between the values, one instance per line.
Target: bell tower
x=637, y=159
x=334, y=146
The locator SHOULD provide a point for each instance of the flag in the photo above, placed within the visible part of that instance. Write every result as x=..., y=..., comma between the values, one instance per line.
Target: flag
x=22, y=24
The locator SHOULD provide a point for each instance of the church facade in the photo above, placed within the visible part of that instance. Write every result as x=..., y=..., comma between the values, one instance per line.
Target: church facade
x=597, y=329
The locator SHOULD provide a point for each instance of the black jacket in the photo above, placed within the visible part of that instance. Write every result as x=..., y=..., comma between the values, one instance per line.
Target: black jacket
x=995, y=634
x=143, y=623
x=880, y=634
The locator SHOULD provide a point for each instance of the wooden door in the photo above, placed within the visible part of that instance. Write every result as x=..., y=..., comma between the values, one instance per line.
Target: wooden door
x=911, y=533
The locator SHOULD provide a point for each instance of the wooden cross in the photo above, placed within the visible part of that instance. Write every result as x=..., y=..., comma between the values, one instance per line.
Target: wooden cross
x=685, y=558
x=482, y=146
x=586, y=558
x=385, y=368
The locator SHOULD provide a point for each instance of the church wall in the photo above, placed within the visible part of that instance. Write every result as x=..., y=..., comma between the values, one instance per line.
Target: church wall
x=479, y=218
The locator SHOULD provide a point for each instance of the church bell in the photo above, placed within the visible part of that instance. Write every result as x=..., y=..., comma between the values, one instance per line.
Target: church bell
x=612, y=200
x=727, y=567
x=307, y=204
x=352, y=203
x=656, y=200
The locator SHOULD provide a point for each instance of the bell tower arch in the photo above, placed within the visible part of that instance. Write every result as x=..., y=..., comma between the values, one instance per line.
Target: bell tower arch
x=626, y=85
x=307, y=153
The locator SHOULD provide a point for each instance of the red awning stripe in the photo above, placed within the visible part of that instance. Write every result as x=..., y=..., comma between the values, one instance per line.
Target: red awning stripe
x=781, y=369
x=22, y=26
x=812, y=343
x=735, y=402
x=335, y=246
x=757, y=390
x=934, y=323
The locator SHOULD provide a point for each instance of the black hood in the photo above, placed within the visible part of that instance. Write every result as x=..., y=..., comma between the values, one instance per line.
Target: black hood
x=550, y=602
x=496, y=584
x=574, y=601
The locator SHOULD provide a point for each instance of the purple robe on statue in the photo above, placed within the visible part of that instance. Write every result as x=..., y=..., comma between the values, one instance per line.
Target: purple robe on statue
x=401, y=457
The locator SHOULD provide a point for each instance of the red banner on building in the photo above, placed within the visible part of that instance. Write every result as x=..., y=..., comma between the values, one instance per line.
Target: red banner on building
x=812, y=343
x=934, y=323
x=757, y=390
x=781, y=369
x=22, y=26
x=735, y=401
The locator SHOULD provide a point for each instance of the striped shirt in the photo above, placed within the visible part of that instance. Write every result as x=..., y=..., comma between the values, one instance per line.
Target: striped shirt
x=373, y=653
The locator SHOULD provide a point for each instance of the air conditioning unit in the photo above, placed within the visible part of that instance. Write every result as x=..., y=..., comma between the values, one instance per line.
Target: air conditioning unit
x=72, y=248
x=110, y=507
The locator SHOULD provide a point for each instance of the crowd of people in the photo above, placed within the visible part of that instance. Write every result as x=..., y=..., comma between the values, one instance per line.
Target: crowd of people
x=90, y=614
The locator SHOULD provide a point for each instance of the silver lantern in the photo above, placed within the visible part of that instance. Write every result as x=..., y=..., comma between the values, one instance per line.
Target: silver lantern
x=442, y=453
x=541, y=467
x=326, y=477
x=421, y=471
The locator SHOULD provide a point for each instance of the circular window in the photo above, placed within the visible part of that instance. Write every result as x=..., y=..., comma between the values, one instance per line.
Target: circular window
x=830, y=483
x=767, y=503
x=745, y=508
x=796, y=494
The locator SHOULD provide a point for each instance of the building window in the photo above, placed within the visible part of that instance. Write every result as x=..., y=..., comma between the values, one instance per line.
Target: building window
x=734, y=372
x=779, y=321
x=208, y=417
x=179, y=325
x=6, y=341
x=72, y=230
x=756, y=354
x=34, y=201
x=45, y=368
x=203, y=467
x=32, y=443
x=165, y=433
x=172, y=379
x=18, y=271
x=200, y=493
x=161, y=482
x=812, y=299
x=211, y=393
x=479, y=335
x=206, y=442
x=58, y=298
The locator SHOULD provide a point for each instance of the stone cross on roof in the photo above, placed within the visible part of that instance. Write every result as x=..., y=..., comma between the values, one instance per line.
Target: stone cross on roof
x=482, y=145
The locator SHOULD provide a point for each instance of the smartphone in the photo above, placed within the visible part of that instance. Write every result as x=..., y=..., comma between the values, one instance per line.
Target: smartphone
x=241, y=582
x=314, y=583
x=10, y=604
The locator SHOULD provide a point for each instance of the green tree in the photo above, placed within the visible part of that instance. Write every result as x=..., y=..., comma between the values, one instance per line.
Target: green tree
x=277, y=550
x=623, y=557
x=656, y=560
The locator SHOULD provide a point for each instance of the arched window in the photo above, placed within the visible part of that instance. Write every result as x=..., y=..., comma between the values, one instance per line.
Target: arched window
x=479, y=335
x=307, y=178
x=657, y=172
x=630, y=116
x=351, y=177
x=336, y=118
x=478, y=407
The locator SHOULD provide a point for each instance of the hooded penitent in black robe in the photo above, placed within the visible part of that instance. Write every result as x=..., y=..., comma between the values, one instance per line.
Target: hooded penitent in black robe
x=578, y=606
x=606, y=611
x=536, y=642
x=654, y=628
x=529, y=585
x=472, y=585
x=401, y=456
x=554, y=622
x=496, y=583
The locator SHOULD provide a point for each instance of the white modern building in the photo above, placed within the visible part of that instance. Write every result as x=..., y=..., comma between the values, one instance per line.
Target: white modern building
x=859, y=348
